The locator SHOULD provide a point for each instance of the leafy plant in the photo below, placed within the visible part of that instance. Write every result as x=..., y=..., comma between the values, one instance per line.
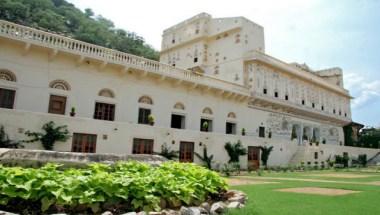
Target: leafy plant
x=132, y=185
x=362, y=159
x=205, y=126
x=51, y=135
x=5, y=142
x=243, y=131
x=151, y=119
x=235, y=150
x=206, y=159
x=167, y=152
x=265, y=152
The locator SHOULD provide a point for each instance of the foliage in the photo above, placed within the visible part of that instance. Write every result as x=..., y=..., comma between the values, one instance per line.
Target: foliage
x=235, y=150
x=5, y=142
x=369, y=138
x=63, y=17
x=265, y=152
x=206, y=159
x=167, y=152
x=51, y=135
x=243, y=131
x=205, y=126
x=151, y=119
x=342, y=160
x=362, y=159
x=133, y=184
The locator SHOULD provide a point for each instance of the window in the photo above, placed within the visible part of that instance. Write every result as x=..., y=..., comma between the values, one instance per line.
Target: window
x=195, y=59
x=57, y=104
x=142, y=146
x=322, y=107
x=334, y=111
x=276, y=94
x=178, y=121
x=7, y=98
x=315, y=155
x=230, y=128
x=186, y=151
x=144, y=115
x=60, y=84
x=84, y=143
x=313, y=105
x=261, y=131
x=345, y=114
x=340, y=113
x=303, y=102
x=286, y=97
x=206, y=125
x=265, y=91
x=104, y=111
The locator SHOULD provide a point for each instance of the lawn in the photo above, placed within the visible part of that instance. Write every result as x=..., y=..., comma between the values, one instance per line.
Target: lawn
x=265, y=200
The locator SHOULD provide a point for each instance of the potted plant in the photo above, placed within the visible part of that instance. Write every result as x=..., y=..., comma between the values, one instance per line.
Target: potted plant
x=151, y=119
x=243, y=131
x=72, y=113
x=205, y=126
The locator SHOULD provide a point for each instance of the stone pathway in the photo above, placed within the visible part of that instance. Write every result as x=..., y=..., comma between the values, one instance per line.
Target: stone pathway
x=310, y=180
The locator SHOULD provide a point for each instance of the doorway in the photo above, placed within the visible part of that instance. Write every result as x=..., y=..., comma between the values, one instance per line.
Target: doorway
x=186, y=152
x=253, y=157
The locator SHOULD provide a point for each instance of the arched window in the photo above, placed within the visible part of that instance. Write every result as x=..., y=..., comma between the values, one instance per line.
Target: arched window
x=145, y=100
x=60, y=84
x=179, y=106
x=231, y=115
x=106, y=93
x=207, y=110
x=7, y=75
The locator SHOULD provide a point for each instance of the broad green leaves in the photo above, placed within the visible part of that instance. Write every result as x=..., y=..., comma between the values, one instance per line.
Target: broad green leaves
x=130, y=183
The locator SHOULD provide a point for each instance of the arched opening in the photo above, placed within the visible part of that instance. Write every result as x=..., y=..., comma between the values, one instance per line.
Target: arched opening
x=7, y=75
x=60, y=84
x=106, y=93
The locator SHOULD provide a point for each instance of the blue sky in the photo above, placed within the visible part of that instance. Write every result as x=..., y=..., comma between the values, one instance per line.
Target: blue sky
x=320, y=33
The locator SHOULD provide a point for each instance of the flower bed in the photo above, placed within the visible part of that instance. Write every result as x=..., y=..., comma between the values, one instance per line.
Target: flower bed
x=125, y=186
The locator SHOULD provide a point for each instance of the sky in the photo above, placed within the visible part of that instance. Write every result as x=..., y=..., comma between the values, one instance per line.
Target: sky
x=320, y=33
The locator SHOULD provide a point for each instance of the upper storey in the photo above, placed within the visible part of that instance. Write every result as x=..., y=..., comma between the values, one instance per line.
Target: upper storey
x=206, y=42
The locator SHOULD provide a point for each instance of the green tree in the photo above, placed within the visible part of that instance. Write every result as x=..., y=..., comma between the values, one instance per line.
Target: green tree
x=234, y=151
x=205, y=158
x=63, y=17
x=265, y=152
x=51, y=134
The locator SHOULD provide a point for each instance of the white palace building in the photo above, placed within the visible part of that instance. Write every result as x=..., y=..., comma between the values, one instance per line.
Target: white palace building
x=213, y=81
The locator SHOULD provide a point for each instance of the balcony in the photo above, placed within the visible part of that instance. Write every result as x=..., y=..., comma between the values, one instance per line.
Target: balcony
x=264, y=101
x=82, y=50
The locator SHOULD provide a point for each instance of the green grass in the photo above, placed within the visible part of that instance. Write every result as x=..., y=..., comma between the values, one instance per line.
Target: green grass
x=264, y=200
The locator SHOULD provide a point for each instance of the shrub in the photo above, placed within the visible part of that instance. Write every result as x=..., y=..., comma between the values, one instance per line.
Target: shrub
x=235, y=150
x=134, y=185
x=362, y=159
x=265, y=152
x=206, y=159
x=51, y=135
x=167, y=153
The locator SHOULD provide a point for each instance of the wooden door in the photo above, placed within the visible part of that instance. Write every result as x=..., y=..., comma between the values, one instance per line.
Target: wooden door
x=186, y=152
x=57, y=104
x=84, y=143
x=253, y=157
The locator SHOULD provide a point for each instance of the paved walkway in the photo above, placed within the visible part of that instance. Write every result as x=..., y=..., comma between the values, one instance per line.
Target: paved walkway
x=308, y=180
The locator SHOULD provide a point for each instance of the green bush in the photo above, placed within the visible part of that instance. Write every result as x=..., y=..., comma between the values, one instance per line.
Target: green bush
x=135, y=184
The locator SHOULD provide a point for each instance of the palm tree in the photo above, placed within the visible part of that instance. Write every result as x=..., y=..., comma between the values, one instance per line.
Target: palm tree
x=234, y=151
x=167, y=153
x=207, y=160
x=265, y=152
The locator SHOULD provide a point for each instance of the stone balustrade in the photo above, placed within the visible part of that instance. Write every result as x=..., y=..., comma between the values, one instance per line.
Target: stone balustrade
x=65, y=44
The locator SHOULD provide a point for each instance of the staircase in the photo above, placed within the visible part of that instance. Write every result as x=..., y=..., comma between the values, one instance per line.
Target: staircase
x=375, y=160
x=298, y=156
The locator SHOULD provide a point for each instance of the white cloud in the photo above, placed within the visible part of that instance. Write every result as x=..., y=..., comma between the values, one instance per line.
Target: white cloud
x=363, y=89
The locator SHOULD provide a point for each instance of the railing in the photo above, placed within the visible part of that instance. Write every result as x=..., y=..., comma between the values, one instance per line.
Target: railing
x=65, y=44
x=299, y=107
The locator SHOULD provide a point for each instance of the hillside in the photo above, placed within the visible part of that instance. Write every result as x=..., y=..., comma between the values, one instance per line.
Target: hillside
x=62, y=17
